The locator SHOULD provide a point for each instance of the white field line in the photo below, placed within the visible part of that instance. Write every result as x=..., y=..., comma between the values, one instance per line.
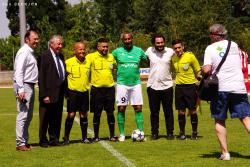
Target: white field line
x=108, y=147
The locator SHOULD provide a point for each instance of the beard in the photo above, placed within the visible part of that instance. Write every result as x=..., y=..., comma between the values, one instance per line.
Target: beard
x=159, y=48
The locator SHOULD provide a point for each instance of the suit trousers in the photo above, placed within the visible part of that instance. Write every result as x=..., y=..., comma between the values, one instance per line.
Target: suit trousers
x=24, y=115
x=50, y=116
x=155, y=98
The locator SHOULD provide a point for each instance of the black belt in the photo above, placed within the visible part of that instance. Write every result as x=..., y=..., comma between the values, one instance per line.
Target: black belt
x=30, y=83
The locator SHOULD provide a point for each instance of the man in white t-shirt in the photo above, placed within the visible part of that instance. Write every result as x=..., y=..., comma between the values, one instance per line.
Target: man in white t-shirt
x=160, y=86
x=232, y=91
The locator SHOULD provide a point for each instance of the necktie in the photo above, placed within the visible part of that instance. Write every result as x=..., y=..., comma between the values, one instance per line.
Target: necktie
x=59, y=68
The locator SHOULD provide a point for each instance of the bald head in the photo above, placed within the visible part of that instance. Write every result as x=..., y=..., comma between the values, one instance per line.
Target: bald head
x=80, y=50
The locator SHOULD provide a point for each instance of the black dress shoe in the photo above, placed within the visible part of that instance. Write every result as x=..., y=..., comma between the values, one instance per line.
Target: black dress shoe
x=54, y=143
x=154, y=136
x=44, y=145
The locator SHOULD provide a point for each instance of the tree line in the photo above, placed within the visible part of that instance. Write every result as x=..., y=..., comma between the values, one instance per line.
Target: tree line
x=92, y=19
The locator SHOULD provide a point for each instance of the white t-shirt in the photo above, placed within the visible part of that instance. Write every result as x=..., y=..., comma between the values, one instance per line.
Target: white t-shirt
x=160, y=64
x=230, y=74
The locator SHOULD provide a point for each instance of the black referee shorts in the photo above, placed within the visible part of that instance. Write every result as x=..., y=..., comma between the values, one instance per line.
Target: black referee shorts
x=78, y=101
x=185, y=96
x=102, y=98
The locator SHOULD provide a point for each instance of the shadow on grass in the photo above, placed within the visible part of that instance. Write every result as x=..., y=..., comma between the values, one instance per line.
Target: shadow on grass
x=175, y=137
x=217, y=154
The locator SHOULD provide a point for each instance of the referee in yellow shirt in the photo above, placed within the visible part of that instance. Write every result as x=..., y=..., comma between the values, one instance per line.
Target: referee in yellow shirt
x=102, y=95
x=78, y=94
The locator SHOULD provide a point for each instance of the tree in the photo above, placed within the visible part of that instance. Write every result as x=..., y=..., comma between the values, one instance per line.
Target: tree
x=35, y=11
x=8, y=49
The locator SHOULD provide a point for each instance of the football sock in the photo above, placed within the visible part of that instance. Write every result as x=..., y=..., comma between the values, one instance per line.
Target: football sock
x=182, y=123
x=96, y=124
x=139, y=120
x=84, y=127
x=194, y=122
x=121, y=122
x=68, y=125
x=111, y=122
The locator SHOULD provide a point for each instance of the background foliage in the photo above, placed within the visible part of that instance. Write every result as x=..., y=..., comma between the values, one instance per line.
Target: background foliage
x=185, y=19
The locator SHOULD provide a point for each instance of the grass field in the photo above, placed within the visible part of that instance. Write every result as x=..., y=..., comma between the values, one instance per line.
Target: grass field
x=162, y=152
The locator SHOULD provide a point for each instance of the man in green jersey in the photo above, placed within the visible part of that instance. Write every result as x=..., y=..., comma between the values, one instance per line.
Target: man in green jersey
x=128, y=58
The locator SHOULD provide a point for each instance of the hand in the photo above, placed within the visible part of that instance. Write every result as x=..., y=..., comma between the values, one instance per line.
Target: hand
x=46, y=100
x=21, y=96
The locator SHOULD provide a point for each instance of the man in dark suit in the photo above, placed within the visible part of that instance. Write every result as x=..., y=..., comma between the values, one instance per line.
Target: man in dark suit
x=51, y=92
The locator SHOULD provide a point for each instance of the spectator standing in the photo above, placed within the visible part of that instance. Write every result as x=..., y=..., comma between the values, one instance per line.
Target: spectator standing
x=232, y=93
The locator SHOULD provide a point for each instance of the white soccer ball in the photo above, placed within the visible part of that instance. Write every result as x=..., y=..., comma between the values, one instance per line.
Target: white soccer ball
x=137, y=135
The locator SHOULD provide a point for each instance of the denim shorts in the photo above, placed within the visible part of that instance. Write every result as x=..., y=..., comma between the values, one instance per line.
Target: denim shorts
x=237, y=104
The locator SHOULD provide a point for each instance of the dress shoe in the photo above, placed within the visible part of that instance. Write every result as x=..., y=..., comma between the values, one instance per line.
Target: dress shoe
x=23, y=148
x=44, y=145
x=154, y=136
x=54, y=143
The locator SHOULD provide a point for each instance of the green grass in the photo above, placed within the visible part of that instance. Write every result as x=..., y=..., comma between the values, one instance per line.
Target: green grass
x=162, y=152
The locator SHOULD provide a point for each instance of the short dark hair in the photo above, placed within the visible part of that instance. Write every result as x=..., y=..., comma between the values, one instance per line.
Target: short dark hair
x=176, y=41
x=157, y=36
x=102, y=40
x=27, y=34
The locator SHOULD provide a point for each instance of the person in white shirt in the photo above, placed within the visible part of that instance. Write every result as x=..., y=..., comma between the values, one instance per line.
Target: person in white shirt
x=160, y=85
x=25, y=77
x=232, y=93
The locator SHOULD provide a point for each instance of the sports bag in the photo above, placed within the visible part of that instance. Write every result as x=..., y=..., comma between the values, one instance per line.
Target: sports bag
x=209, y=84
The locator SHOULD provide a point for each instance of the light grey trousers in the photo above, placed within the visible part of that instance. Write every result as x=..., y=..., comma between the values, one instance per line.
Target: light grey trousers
x=24, y=114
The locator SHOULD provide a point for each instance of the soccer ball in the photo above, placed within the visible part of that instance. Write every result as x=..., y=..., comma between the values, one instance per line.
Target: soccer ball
x=137, y=135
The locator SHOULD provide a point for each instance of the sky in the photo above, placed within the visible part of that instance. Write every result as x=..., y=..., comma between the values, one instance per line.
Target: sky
x=4, y=30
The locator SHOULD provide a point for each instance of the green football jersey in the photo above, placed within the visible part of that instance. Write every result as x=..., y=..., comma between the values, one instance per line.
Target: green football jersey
x=128, y=65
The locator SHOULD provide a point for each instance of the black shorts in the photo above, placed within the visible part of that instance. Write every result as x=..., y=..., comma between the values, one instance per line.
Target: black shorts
x=78, y=101
x=102, y=99
x=185, y=97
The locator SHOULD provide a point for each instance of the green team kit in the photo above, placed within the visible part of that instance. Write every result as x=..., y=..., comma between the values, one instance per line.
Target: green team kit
x=128, y=65
x=128, y=74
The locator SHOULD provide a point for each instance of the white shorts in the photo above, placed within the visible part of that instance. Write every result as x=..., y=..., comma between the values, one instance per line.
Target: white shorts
x=126, y=95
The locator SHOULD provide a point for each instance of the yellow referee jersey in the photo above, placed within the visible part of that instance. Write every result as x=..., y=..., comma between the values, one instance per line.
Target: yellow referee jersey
x=101, y=69
x=78, y=74
x=185, y=68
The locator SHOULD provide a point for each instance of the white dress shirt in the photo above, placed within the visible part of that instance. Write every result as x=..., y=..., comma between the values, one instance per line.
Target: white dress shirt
x=25, y=67
x=160, y=77
x=61, y=63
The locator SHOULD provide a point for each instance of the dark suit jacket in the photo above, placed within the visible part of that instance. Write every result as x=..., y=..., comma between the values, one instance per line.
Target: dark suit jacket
x=49, y=82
